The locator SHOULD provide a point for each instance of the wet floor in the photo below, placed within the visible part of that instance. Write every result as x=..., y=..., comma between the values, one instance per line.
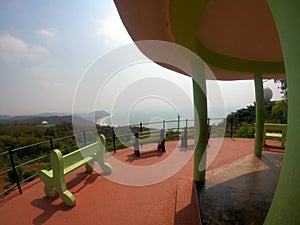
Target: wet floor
x=242, y=192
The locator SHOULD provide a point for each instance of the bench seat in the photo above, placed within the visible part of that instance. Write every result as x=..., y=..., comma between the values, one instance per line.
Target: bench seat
x=76, y=165
x=273, y=135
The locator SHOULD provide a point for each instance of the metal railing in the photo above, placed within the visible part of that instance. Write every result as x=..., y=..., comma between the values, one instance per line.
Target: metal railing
x=13, y=168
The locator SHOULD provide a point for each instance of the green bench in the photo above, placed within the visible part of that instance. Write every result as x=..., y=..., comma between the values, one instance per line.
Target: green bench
x=275, y=131
x=153, y=136
x=63, y=164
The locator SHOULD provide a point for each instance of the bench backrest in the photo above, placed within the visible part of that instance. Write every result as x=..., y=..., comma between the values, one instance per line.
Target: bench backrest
x=275, y=127
x=84, y=152
x=79, y=154
x=149, y=136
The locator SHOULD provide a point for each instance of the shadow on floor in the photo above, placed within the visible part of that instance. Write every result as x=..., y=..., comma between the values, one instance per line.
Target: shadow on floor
x=243, y=200
x=51, y=206
x=145, y=154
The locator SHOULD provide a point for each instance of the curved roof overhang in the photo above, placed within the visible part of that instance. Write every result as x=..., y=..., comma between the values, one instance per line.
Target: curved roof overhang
x=235, y=38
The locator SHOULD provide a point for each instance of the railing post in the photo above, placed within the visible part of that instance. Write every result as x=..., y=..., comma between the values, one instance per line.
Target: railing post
x=231, y=127
x=51, y=143
x=114, y=139
x=164, y=125
x=14, y=169
x=178, y=124
x=136, y=144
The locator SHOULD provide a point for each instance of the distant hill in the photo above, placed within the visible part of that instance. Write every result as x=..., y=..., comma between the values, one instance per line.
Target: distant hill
x=4, y=117
x=52, y=118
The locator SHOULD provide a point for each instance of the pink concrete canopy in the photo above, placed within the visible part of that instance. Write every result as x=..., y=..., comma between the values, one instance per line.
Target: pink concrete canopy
x=235, y=38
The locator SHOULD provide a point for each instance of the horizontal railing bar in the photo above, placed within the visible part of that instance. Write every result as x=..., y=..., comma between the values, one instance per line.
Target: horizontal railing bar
x=151, y=123
x=28, y=178
x=62, y=138
x=29, y=146
x=3, y=153
x=32, y=160
x=7, y=190
x=5, y=171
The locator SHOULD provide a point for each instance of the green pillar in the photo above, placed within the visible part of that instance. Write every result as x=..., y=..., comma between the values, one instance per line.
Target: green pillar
x=285, y=207
x=260, y=114
x=200, y=114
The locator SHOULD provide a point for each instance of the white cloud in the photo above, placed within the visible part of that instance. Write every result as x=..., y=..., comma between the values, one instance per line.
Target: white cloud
x=36, y=52
x=11, y=47
x=48, y=33
x=113, y=31
x=14, y=48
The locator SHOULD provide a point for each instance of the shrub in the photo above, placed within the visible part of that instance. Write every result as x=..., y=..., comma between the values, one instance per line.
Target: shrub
x=27, y=174
x=245, y=132
x=172, y=135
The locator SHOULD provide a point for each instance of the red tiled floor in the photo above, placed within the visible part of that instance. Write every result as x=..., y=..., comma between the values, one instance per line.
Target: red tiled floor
x=186, y=203
x=98, y=200
x=101, y=201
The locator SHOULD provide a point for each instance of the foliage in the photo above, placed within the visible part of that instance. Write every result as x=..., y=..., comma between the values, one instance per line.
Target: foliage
x=242, y=116
x=279, y=112
x=28, y=174
x=275, y=112
x=172, y=135
x=12, y=176
x=19, y=135
x=245, y=132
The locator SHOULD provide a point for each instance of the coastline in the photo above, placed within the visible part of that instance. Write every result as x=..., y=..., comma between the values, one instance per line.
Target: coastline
x=101, y=121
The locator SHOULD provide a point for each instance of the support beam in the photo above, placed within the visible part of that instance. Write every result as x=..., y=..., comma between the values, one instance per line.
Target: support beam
x=285, y=206
x=260, y=114
x=200, y=114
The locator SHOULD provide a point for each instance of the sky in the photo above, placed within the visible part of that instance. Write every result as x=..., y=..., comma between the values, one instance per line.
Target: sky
x=47, y=47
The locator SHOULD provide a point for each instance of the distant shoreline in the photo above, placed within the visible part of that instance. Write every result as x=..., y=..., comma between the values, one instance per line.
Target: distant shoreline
x=101, y=121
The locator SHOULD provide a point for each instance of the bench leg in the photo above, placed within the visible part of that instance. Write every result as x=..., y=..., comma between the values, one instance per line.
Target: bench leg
x=49, y=187
x=68, y=198
x=88, y=166
x=282, y=143
x=137, y=152
x=61, y=187
x=58, y=178
x=161, y=146
x=106, y=168
x=49, y=190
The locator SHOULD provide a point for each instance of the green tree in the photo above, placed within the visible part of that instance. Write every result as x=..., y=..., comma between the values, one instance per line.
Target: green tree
x=279, y=111
x=243, y=116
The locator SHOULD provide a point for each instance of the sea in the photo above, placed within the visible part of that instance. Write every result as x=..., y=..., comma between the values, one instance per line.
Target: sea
x=158, y=119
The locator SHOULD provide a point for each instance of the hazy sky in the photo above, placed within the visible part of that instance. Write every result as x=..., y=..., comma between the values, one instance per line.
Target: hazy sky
x=47, y=46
